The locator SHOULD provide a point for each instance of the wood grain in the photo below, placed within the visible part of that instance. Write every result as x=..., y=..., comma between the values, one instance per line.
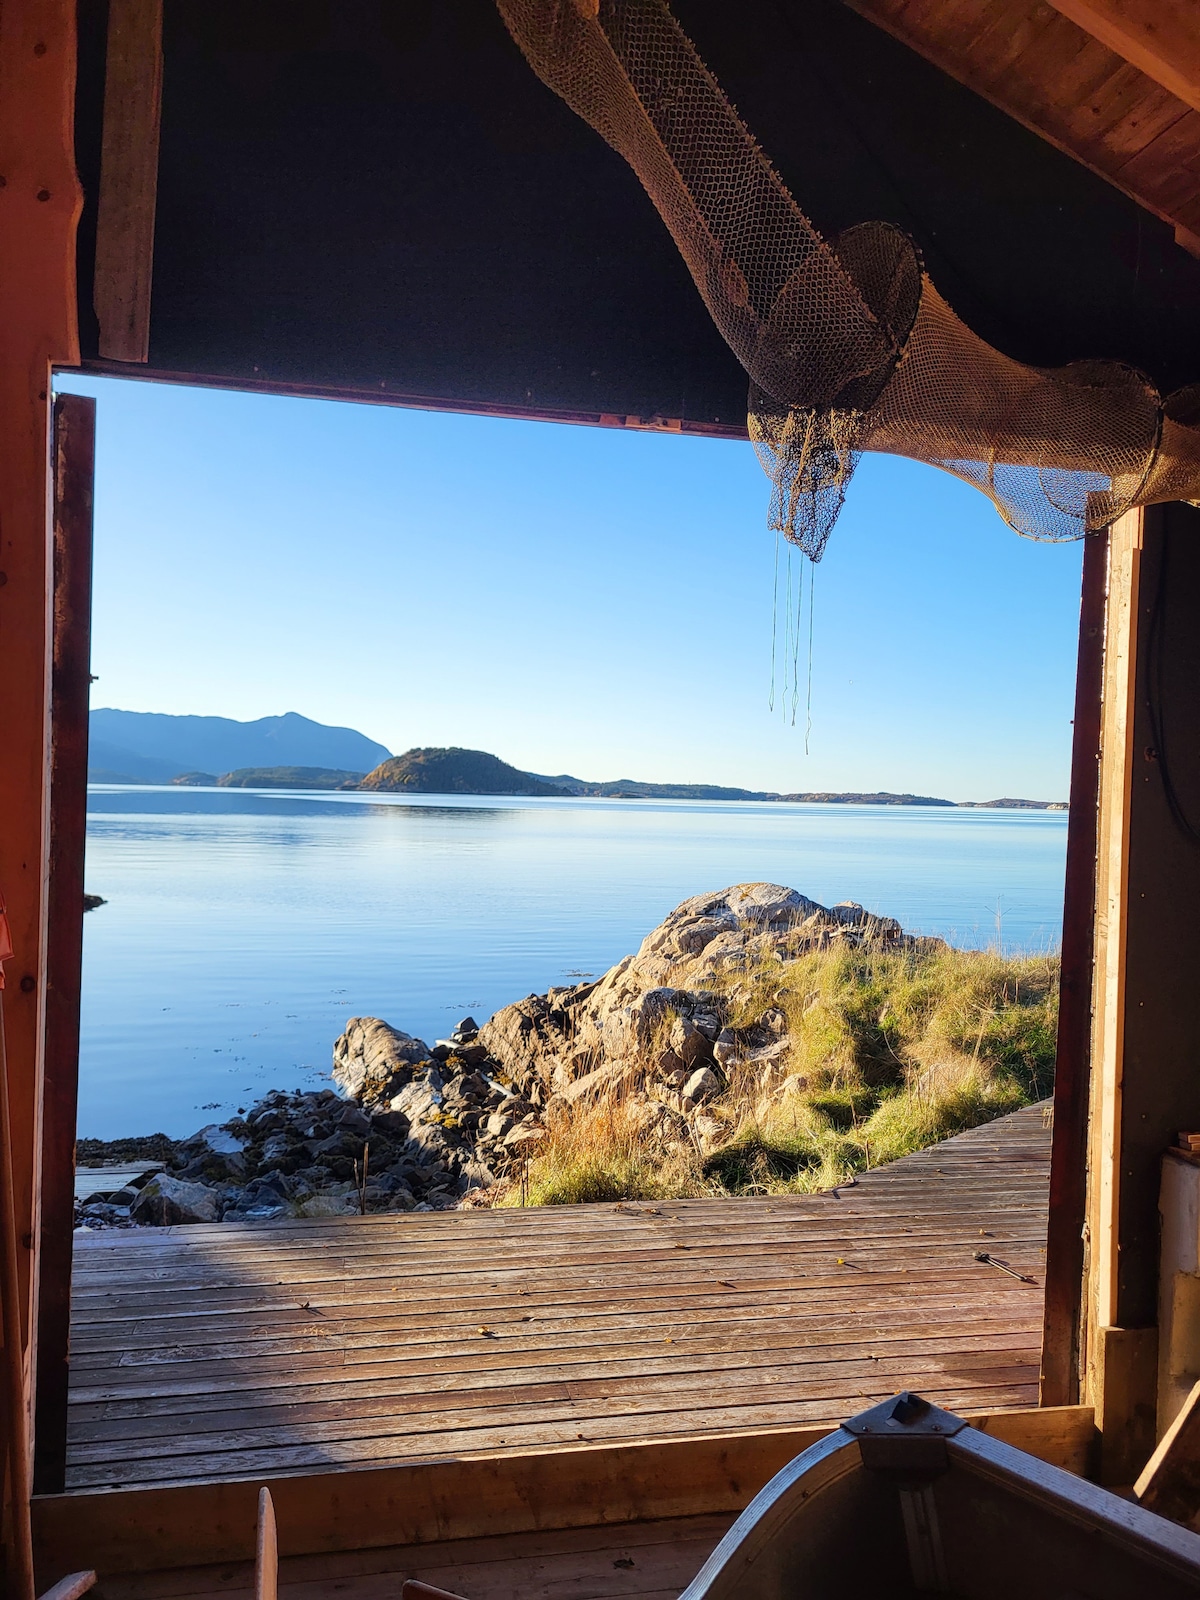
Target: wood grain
x=1072, y=88
x=128, y=179
x=242, y=1349
x=74, y=470
x=1161, y=37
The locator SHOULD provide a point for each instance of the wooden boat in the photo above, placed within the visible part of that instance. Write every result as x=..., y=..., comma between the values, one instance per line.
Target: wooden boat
x=907, y=1499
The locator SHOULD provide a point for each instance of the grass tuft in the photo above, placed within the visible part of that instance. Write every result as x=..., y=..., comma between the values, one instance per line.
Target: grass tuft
x=891, y=1051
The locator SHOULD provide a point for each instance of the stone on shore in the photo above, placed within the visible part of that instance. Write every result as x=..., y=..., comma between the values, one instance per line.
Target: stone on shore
x=165, y=1202
x=415, y=1127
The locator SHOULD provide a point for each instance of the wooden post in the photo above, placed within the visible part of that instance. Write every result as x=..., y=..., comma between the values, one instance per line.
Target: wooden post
x=1146, y=1034
x=39, y=210
x=74, y=454
x=128, y=178
x=1068, y=1163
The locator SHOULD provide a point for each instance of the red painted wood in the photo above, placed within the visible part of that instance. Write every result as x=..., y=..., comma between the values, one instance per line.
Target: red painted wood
x=74, y=454
x=1064, y=1242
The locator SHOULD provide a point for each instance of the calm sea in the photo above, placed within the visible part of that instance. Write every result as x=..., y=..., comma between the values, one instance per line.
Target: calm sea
x=242, y=928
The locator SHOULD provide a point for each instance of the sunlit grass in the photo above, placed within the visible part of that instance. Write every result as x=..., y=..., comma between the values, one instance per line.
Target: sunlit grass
x=890, y=1051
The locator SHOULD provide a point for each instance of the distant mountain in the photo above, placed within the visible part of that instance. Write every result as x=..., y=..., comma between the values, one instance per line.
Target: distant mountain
x=289, y=778
x=630, y=789
x=152, y=747
x=291, y=752
x=1017, y=805
x=434, y=770
x=882, y=797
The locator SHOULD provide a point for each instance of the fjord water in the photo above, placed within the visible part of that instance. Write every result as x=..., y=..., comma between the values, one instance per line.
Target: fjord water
x=243, y=927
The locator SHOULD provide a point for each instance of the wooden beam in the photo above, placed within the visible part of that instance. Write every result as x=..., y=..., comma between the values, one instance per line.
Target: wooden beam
x=1147, y=1030
x=1046, y=72
x=1159, y=37
x=74, y=456
x=143, y=1530
x=1170, y=1481
x=1068, y=1162
x=128, y=179
x=39, y=208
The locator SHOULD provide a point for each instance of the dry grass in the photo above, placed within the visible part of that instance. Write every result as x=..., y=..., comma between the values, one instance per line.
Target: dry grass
x=891, y=1051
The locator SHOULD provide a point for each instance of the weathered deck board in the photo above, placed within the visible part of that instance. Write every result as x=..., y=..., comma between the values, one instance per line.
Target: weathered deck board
x=239, y=1350
x=636, y=1561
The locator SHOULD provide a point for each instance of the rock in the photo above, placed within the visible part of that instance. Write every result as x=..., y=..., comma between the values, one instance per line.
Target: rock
x=167, y=1202
x=371, y=1055
x=279, y=1148
x=592, y=1084
x=727, y=1047
x=220, y=1141
x=702, y=1085
x=417, y=1099
x=460, y=1119
x=676, y=977
x=709, y=1132
x=393, y=1122
x=688, y=1042
x=523, y=1139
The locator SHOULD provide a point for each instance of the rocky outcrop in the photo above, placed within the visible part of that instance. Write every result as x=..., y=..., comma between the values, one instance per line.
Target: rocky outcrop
x=414, y=1129
x=663, y=1011
x=434, y=770
x=414, y=1126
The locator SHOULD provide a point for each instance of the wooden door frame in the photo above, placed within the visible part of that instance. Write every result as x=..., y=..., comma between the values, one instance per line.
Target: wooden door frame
x=74, y=472
x=1060, y=1383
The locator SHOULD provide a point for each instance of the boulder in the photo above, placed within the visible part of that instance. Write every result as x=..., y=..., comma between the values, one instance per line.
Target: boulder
x=418, y=1098
x=702, y=1085
x=370, y=1055
x=167, y=1201
x=668, y=996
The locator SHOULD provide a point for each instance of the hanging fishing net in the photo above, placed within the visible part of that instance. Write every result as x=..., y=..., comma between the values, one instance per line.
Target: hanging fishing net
x=848, y=345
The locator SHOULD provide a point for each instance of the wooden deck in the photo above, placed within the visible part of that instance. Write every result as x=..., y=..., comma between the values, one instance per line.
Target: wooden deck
x=251, y=1350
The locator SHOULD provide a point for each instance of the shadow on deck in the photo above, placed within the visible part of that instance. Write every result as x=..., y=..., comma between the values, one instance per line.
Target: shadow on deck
x=254, y=1350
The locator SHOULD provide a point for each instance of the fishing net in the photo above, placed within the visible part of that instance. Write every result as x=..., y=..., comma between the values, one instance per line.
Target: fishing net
x=848, y=345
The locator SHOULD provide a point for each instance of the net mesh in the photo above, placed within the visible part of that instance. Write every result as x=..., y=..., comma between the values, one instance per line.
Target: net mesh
x=848, y=345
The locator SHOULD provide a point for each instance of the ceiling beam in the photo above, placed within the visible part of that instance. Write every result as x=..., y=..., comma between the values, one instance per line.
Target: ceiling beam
x=1159, y=37
x=128, y=179
x=1038, y=65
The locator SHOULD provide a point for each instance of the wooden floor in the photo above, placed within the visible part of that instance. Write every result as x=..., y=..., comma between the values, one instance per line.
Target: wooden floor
x=254, y=1349
x=632, y=1561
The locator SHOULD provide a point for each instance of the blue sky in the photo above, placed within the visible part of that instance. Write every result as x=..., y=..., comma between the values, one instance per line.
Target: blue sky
x=573, y=599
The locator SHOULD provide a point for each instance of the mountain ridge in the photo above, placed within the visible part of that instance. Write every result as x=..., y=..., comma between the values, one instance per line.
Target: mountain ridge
x=156, y=747
x=292, y=751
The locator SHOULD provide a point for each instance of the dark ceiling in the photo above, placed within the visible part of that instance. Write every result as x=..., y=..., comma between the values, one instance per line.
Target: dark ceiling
x=379, y=196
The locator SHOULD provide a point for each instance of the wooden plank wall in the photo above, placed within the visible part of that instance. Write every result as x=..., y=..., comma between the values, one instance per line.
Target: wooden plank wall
x=39, y=208
x=1145, y=1085
x=427, y=1501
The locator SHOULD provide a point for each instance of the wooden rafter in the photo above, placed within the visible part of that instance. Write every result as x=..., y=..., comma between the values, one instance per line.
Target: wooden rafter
x=1159, y=37
x=128, y=179
x=1037, y=64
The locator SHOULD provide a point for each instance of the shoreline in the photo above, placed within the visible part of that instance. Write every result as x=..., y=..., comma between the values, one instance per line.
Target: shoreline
x=697, y=1045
